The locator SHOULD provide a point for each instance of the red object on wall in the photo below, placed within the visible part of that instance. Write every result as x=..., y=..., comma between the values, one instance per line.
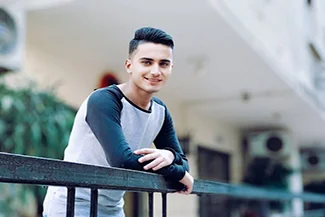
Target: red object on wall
x=108, y=79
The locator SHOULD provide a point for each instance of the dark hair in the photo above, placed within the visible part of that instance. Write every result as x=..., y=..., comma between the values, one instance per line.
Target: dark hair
x=149, y=34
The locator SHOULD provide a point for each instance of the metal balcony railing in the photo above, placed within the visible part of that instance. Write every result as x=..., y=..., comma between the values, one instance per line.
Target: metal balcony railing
x=41, y=171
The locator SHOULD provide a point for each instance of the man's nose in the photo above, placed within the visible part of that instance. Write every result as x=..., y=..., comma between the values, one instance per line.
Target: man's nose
x=155, y=70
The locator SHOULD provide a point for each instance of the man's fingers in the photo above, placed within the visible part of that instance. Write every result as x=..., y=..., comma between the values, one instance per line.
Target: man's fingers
x=185, y=192
x=153, y=164
x=144, y=151
x=188, y=189
x=159, y=158
x=148, y=157
x=159, y=166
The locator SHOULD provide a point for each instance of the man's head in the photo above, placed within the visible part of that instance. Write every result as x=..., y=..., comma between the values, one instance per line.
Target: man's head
x=150, y=59
x=149, y=34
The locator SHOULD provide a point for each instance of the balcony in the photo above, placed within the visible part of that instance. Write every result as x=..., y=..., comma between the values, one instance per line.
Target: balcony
x=41, y=171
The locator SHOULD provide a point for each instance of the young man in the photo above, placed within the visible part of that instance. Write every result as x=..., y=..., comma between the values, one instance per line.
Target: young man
x=115, y=127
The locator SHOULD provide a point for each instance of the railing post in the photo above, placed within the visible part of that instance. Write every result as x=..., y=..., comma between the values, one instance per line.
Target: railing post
x=164, y=204
x=70, y=201
x=150, y=196
x=94, y=203
x=264, y=208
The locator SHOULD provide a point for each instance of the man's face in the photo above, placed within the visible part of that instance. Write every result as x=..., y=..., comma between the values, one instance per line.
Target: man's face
x=150, y=66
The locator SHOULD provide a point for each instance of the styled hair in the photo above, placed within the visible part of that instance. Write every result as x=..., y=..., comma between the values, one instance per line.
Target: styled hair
x=149, y=34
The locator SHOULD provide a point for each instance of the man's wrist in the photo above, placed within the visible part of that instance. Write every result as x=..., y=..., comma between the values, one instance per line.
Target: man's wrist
x=174, y=154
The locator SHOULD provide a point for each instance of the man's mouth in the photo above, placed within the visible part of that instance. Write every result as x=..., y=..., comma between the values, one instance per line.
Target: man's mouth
x=153, y=79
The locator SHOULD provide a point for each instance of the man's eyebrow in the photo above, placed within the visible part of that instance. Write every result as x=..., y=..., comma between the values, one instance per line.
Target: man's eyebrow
x=146, y=58
x=150, y=59
x=165, y=60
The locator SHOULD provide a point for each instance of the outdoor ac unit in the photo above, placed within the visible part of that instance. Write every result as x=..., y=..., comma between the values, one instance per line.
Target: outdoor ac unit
x=273, y=144
x=312, y=159
x=12, y=37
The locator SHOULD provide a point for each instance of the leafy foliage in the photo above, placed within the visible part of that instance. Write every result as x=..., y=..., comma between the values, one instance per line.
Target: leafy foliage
x=267, y=173
x=32, y=122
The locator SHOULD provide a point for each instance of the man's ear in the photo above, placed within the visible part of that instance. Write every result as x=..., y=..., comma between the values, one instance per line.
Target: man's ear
x=128, y=65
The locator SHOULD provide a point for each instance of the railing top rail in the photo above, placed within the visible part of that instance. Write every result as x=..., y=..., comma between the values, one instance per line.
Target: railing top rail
x=41, y=171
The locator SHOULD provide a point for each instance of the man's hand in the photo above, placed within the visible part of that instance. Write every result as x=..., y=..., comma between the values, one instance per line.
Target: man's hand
x=160, y=157
x=188, y=181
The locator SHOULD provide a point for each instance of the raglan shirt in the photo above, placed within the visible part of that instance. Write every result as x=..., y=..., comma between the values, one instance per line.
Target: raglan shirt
x=107, y=129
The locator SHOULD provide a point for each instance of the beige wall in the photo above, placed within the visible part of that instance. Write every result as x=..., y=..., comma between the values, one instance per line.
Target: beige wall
x=313, y=177
x=280, y=32
x=207, y=132
x=277, y=30
x=204, y=132
x=72, y=82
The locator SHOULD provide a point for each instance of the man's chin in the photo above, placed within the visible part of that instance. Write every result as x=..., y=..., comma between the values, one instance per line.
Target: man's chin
x=153, y=89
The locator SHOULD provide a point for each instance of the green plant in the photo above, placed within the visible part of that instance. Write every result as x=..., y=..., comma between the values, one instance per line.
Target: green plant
x=267, y=173
x=35, y=122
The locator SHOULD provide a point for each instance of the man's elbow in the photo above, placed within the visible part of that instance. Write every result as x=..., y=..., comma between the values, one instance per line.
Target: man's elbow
x=186, y=166
x=118, y=162
x=124, y=163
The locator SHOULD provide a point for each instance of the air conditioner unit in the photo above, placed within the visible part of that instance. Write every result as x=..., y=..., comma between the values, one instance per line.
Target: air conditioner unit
x=273, y=144
x=12, y=37
x=312, y=159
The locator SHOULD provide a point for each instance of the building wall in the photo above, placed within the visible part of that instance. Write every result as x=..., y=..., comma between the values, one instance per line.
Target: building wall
x=207, y=133
x=281, y=32
x=271, y=27
x=309, y=177
x=60, y=74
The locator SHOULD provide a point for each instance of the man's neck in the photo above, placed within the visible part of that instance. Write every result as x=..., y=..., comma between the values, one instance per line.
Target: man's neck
x=136, y=95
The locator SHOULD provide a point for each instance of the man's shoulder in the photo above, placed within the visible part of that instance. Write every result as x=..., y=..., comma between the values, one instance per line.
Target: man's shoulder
x=158, y=101
x=106, y=97
x=107, y=92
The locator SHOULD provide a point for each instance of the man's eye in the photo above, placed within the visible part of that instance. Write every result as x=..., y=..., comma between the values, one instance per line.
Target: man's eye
x=146, y=63
x=164, y=64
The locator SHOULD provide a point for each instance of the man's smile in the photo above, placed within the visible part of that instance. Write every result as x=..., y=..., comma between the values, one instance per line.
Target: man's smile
x=153, y=80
